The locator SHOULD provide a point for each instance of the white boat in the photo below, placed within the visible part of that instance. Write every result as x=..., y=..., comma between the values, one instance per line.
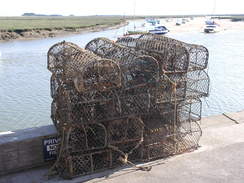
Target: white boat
x=178, y=22
x=159, y=30
x=211, y=26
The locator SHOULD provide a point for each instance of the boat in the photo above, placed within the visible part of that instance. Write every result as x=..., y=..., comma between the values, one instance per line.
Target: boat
x=153, y=21
x=211, y=26
x=159, y=30
x=178, y=22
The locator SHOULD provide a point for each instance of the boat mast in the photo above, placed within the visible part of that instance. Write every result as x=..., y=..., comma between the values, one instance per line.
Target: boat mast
x=134, y=12
x=214, y=8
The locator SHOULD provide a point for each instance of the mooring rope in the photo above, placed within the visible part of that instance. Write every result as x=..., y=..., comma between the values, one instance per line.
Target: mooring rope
x=230, y=118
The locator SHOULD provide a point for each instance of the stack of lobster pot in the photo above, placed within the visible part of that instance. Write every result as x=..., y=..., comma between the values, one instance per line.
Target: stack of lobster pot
x=136, y=99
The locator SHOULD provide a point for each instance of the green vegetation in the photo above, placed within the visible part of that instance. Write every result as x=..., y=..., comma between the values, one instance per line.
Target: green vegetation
x=136, y=32
x=48, y=23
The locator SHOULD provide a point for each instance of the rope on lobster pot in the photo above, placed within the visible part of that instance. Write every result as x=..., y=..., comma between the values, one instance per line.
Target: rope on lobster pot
x=124, y=156
x=53, y=170
x=126, y=161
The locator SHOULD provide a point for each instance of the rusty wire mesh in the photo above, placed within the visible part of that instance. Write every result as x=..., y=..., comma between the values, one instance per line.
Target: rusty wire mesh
x=117, y=103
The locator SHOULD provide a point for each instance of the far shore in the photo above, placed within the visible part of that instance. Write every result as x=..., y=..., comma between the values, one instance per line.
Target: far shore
x=36, y=27
x=195, y=25
x=38, y=34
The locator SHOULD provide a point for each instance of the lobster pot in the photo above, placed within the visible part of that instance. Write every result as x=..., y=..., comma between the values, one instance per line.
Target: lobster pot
x=97, y=75
x=72, y=107
x=197, y=84
x=198, y=54
x=77, y=164
x=66, y=108
x=89, y=112
x=198, y=57
x=189, y=110
x=85, y=138
x=97, y=106
x=163, y=149
x=135, y=104
x=188, y=136
x=179, y=112
x=69, y=107
x=166, y=140
x=156, y=130
x=171, y=57
x=194, y=84
x=83, y=68
x=158, y=138
x=59, y=55
x=142, y=70
x=172, y=88
x=180, y=87
x=167, y=91
x=125, y=137
x=61, y=108
x=136, y=68
x=125, y=130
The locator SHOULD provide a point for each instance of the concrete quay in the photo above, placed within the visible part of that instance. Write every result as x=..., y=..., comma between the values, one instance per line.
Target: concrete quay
x=218, y=160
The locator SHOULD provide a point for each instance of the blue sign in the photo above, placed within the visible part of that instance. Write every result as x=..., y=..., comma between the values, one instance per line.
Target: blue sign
x=50, y=148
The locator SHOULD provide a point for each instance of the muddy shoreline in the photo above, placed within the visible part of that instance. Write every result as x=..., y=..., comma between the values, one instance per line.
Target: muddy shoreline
x=45, y=33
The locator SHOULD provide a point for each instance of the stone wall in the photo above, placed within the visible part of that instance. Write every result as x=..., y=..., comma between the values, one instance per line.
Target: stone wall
x=23, y=149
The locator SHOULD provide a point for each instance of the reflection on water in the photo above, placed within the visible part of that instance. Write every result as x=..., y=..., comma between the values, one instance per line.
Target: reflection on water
x=24, y=87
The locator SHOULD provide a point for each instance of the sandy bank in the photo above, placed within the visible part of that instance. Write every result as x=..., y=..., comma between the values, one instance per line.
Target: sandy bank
x=38, y=34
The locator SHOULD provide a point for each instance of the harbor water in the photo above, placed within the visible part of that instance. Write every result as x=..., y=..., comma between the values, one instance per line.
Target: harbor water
x=25, y=92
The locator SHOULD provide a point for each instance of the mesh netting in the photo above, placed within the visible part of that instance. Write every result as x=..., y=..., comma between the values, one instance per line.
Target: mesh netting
x=116, y=103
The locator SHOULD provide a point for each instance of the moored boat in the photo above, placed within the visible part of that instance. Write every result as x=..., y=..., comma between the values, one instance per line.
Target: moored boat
x=159, y=30
x=211, y=26
x=152, y=21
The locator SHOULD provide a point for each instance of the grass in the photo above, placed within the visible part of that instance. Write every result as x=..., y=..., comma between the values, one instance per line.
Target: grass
x=48, y=23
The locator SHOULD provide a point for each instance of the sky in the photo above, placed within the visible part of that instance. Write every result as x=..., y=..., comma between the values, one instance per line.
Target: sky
x=121, y=7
